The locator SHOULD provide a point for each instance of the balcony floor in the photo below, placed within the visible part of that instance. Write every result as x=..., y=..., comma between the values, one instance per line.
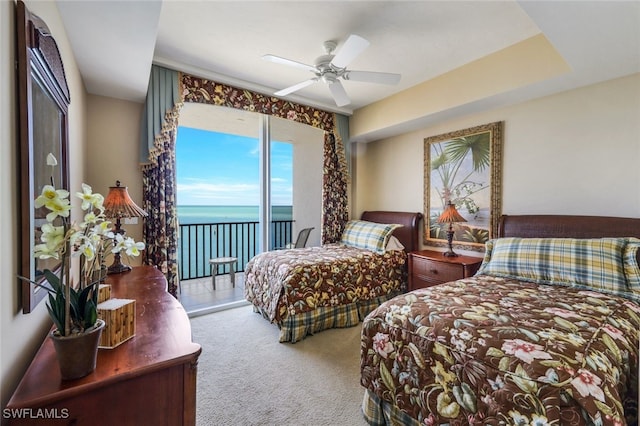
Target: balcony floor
x=198, y=297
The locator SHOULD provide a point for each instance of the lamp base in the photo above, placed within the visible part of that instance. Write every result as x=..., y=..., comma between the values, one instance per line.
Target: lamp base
x=117, y=266
x=117, y=269
x=450, y=253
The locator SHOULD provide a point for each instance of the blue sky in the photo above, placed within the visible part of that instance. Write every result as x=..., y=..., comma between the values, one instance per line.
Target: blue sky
x=217, y=169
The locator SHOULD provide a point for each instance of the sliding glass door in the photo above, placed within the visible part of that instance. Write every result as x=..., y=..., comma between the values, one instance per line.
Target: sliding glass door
x=246, y=183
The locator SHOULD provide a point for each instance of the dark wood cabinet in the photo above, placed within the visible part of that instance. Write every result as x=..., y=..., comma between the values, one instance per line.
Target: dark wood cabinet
x=428, y=267
x=148, y=380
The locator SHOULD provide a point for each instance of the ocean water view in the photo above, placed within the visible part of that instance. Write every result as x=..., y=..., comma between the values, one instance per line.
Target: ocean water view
x=188, y=215
x=208, y=232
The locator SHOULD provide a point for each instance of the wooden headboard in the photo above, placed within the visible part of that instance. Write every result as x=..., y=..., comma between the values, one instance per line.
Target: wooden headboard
x=559, y=226
x=408, y=234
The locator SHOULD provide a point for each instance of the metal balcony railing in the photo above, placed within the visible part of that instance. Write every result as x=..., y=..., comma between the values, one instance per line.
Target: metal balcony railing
x=203, y=241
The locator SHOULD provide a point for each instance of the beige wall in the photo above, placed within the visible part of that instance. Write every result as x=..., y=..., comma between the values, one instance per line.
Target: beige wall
x=21, y=335
x=112, y=152
x=572, y=153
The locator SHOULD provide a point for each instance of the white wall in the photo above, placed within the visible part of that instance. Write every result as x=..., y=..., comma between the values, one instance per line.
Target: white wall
x=21, y=335
x=576, y=152
x=307, y=184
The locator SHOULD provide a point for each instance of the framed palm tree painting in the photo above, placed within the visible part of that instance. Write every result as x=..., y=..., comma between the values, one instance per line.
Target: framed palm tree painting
x=463, y=168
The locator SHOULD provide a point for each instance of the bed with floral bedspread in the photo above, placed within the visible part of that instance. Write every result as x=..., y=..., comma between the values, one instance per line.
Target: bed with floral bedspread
x=547, y=332
x=290, y=283
x=307, y=290
x=459, y=353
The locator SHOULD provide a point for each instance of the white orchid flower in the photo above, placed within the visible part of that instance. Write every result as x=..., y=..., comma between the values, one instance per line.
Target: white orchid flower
x=50, y=194
x=90, y=219
x=119, y=244
x=127, y=244
x=133, y=248
x=89, y=199
x=53, y=235
x=51, y=160
x=103, y=228
x=87, y=249
x=58, y=207
x=43, y=251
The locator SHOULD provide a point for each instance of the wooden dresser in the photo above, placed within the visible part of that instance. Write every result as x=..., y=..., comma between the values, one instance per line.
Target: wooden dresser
x=148, y=380
x=428, y=267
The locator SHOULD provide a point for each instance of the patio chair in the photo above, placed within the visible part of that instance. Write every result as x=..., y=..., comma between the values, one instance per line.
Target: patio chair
x=301, y=241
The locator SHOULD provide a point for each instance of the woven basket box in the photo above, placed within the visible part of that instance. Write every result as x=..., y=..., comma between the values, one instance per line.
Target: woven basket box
x=104, y=292
x=120, y=318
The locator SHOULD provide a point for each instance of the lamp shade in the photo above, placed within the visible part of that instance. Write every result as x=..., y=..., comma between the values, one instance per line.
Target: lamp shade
x=450, y=215
x=118, y=203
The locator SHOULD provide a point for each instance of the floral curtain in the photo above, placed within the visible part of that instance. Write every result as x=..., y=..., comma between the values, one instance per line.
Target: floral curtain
x=157, y=157
x=334, y=190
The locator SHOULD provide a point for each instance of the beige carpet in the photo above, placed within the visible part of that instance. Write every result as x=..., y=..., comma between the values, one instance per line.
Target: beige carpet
x=245, y=377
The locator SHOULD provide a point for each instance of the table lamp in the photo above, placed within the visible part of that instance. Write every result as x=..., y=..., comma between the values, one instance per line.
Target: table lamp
x=450, y=215
x=117, y=205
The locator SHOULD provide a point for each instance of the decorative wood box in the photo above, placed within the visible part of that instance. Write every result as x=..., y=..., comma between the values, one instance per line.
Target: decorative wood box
x=104, y=292
x=120, y=318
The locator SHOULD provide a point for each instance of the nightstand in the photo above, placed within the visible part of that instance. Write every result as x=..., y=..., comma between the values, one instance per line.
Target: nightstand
x=428, y=267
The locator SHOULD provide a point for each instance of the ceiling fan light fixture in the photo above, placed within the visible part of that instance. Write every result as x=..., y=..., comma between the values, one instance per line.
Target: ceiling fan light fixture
x=329, y=77
x=331, y=69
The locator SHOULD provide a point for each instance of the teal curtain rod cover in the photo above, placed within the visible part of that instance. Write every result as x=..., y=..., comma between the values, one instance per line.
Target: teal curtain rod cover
x=162, y=95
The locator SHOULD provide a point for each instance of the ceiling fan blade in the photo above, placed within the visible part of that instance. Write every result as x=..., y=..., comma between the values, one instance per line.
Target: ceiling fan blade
x=372, y=77
x=354, y=46
x=339, y=94
x=295, y=87
x=284, y=61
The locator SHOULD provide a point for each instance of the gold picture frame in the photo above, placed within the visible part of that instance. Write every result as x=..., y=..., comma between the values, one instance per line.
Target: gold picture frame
x=464, y=167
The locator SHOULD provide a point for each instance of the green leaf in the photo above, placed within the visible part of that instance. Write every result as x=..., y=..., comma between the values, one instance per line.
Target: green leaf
x=56, y=321
x=90, y=314
x=53, y=279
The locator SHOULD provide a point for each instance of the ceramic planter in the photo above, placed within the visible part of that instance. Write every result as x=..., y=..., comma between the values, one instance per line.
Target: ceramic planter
x=77, y=354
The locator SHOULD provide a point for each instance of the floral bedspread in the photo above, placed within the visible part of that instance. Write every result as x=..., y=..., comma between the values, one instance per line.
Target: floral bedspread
x=487, y=350
x=288, y=282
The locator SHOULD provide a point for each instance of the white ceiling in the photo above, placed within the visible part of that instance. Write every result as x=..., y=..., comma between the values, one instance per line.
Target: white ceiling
x=115, y=42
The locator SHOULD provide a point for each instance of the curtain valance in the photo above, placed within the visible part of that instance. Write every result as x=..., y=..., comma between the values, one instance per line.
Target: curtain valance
x=200, y=90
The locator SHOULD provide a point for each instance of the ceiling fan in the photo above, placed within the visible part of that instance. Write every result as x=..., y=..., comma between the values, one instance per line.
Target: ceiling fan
x=330, y=69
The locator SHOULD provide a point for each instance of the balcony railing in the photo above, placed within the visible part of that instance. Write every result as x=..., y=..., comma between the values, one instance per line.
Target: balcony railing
x=203, y=241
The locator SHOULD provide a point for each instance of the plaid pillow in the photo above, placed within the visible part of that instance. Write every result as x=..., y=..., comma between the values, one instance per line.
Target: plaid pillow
x=367, y=235
x=592, y=263
x=631, y=267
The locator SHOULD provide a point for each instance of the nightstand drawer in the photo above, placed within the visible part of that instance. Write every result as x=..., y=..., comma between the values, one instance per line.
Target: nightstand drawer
x=428, y=268
x=437, y=271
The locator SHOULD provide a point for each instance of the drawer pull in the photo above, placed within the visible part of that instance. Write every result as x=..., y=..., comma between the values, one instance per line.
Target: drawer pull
x=434, y=271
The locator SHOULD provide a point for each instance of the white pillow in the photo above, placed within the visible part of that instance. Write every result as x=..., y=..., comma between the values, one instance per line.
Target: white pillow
x=394, y=244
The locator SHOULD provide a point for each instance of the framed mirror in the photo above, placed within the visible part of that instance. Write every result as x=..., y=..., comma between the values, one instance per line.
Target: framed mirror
x=465, y=168
x=43, y=102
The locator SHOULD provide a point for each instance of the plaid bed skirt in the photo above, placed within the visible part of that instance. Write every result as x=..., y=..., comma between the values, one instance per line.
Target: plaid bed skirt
x=296, y=327
x=381, y=413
